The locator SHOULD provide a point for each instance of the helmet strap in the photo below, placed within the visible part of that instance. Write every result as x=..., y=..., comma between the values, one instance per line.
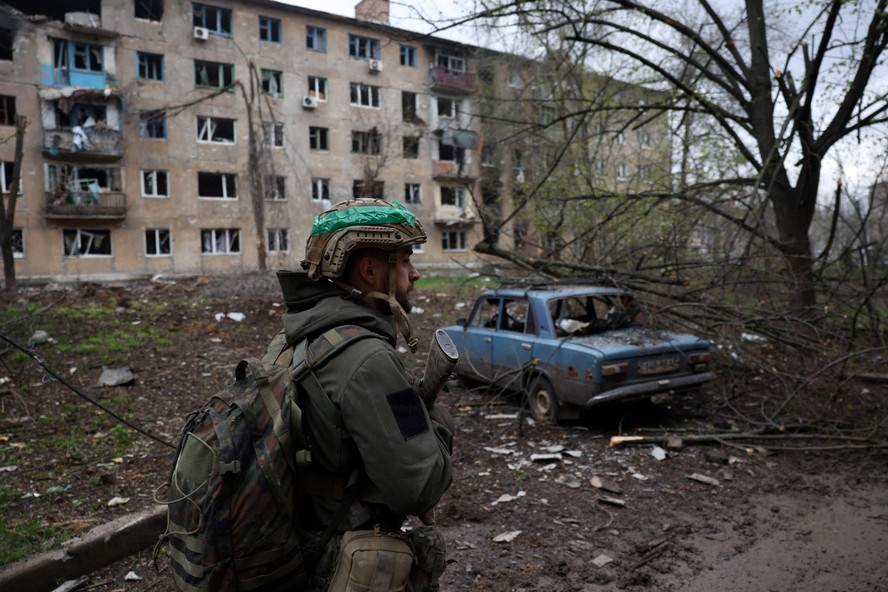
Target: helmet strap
x=397, y=310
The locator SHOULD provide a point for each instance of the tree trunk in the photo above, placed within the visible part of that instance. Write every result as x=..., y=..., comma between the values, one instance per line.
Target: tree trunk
x=7, y=206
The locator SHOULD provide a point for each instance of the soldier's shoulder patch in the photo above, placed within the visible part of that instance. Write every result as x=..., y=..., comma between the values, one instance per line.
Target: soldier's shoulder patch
x=407, y=409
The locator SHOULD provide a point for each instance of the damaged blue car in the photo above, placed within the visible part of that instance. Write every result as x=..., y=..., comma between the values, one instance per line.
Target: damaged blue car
x=574, y=348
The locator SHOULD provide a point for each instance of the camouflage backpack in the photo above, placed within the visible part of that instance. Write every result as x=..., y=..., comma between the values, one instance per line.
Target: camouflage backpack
x=235, y=482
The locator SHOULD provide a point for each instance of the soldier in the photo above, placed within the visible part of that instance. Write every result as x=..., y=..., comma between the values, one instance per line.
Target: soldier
x=371, y=433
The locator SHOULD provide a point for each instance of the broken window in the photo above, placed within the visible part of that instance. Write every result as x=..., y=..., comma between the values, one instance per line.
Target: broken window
x=6, y=44
x=7, y=110
x=151, y=10
x=269, y=29
x=412, y=193
x=273, y=132
x=454, y=240
x=318, y=138
x=150, y=66
x=369, y=142
x=220, y=241
x=411, y=147
x=315, y=38
x=317, y=88
x=364, y=95
x=216, y=20
x=278, y=241
x=213, y=74
x=320, y=189
x=363, y=47
x=217, y=185
x=87, y=243
x=152, y=124
x=453, y=196
x=408, y=106
x=18, y=243
x=276, y=187
x=376, y=189
x=158, y=242
x=6, y=177
x=155, y=184
x=272, y=82
x=215, y=129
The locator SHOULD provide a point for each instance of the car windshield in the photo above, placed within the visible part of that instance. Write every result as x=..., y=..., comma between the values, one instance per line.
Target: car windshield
x=582, y=315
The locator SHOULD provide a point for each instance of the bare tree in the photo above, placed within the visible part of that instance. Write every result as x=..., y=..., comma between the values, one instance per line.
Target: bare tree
x=7, y=207
x=781, y=87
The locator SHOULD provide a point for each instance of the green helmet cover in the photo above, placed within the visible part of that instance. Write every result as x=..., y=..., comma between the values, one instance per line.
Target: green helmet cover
x=363, y=216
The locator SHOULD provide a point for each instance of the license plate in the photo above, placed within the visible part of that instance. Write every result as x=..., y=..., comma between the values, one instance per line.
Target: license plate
x=659, y=366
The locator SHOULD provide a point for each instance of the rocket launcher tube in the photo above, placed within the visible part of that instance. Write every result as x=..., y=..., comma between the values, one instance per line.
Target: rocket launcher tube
x=440, y=362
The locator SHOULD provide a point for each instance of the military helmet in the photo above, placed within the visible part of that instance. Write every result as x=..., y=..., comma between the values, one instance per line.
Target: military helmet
x=358, y=224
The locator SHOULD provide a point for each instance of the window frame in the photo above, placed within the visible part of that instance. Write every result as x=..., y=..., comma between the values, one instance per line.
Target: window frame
x=273, y=134
x=413, y=193
x=458, y=194
x=266, y=77
x=365, y=95
x=209, y=125
x=203, y=14
x=224, y=74
x=86, y=251
x=7, y=109
x=231, y=238
x=316, y=38
x=154, y=174
x=273, y=239
x=318, y=88
x=366, y=142
x=150, y=66
x=410, y=142
x=363, y=48
x=276, y=188
x=319, y=138
x=447, y=238
x=18, y=243
x=408, y=55
x=225, y=180
x=161, y=238
x=320, y=189
x=149, y=122
x=270, y=29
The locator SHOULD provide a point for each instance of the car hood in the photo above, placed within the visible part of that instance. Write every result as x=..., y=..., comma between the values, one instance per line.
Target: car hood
x=626, y=342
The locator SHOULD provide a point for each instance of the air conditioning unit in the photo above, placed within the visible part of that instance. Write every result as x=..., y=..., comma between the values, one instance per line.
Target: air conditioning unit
x=309, y=102
x=201, y=33
x=375, y=66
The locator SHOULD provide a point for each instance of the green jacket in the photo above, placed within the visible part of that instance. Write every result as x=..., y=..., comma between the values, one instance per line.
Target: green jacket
x=372, y=419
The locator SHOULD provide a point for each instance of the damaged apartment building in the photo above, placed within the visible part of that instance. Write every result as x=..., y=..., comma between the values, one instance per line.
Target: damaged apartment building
x=181, y=138
x=196, y=137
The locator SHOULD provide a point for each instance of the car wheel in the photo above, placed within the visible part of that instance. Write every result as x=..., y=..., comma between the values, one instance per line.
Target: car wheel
x=543, y=400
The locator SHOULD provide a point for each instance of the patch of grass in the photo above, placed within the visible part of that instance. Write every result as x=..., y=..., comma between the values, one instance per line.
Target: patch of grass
x=122, y=439
x=23, y=536
x=445, y=282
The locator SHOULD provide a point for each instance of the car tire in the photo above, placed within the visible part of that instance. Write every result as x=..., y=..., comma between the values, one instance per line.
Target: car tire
x=543, y=401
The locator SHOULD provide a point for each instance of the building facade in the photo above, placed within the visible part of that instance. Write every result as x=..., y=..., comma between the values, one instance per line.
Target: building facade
x=182, y=138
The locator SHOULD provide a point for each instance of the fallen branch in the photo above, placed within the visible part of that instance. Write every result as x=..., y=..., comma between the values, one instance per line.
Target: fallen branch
x=854, y=442
x=99, y=547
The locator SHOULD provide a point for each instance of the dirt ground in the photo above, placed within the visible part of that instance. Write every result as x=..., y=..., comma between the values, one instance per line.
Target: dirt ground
x=532, y=507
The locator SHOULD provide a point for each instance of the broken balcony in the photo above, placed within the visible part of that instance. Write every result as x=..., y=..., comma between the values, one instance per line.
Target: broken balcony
x=445, y=79
x=93, y=143
x=84, y=200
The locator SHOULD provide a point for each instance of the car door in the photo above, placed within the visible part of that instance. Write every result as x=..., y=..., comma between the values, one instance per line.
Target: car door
x=513, y=343
x=477, y=347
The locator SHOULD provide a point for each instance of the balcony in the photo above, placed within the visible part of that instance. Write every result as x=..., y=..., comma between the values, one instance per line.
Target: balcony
x=93, y=144
x=450, y=171
x=444, y=79
x=87, y=203
x=453, y=215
